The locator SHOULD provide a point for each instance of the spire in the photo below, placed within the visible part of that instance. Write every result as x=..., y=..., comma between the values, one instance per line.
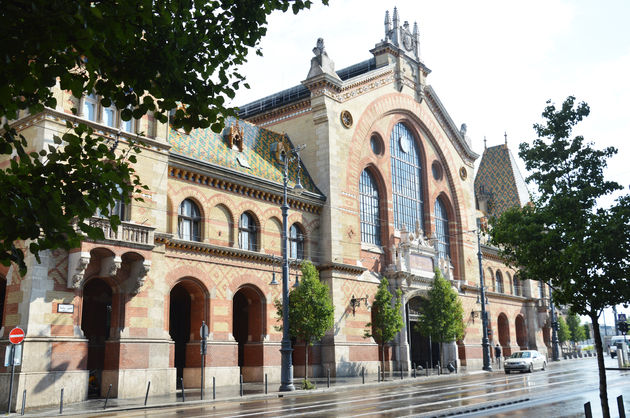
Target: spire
x=395, y=28
x=388, y=25
x=416, y=38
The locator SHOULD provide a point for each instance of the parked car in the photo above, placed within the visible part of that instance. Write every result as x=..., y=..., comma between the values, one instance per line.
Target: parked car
x=525, y=361
x=615, y=344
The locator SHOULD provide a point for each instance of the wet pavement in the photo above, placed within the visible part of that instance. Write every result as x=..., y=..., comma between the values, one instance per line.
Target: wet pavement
x=561, y=391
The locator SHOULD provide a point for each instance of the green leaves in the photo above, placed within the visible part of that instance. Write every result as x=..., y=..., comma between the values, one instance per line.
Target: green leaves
x=387, y=320
x=564, y=238
x=442, y=315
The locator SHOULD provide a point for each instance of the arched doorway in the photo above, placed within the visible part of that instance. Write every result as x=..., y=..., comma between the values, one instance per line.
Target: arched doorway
x=504, y=334
x=422, y=351
x=187, y=310
x=96, y=323
x=248, y=325
x=521, y=332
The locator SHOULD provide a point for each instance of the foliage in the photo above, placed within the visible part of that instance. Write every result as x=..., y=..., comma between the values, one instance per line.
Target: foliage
x=307, y=385
x=387, y=320
x=141, y=56
x=564, y=333
x=311, y=311
x=576, y=328
x=563, y=238
x=442, y=314
x=587, y=332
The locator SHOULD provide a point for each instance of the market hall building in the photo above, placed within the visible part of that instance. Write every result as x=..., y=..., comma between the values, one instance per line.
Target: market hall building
x=390, y=191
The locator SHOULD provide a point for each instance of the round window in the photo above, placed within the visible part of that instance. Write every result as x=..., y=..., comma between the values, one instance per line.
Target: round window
x=377, y=144
x=436, y=169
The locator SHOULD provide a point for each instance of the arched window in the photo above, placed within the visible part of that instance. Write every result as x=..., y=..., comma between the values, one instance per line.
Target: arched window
x=441, y=230
x=247, y=232
x=406, y=179
x=189, y=225
x=499, y=282
x=517, y=286
x=296, y=243
x=369, y=200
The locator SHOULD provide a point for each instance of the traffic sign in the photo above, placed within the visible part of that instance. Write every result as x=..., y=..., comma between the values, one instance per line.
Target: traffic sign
x=621, y=317
x=16, y=336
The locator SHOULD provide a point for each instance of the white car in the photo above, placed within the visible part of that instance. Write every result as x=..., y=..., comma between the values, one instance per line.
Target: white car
x=615, y=344
x=525, y=361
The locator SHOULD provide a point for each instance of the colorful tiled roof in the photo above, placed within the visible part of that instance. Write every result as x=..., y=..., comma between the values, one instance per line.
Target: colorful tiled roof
x=499, y=178
x=210, y=147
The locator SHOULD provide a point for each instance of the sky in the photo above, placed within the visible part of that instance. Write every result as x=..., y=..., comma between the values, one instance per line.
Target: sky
x=494, y=63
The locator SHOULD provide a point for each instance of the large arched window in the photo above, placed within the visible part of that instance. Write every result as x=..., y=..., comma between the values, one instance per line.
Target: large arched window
x=441, y=230
x=499, y=282
x=247, y=232
x=296, y=243
x=406, y=179
x=369, y=200
x=189, y=225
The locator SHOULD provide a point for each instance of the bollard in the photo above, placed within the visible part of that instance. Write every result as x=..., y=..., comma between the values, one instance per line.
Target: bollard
x=181, y=379
x=622, y=413
x=587, y=410
x=61, y=403
x=439, y=368
x=24, y=402
x=328, y=377
x=401, y=372
x=379, y=374
x=214, y=388
x=241, y=384
x=414, y=371
x=265, y=383
x=146, y=397
x=427, y=369
x=109, y=389
x=363, y=374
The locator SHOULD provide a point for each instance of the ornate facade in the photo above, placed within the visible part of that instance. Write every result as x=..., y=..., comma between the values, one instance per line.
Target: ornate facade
x=390, y=191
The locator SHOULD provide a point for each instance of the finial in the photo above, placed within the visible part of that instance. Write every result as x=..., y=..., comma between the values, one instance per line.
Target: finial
x=505, y=135
x=484, y=142
x=388, y=25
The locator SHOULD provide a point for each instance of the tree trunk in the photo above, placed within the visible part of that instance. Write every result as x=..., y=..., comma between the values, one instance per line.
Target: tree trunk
x=383, y=361
x=603, y=392
x=306, y=361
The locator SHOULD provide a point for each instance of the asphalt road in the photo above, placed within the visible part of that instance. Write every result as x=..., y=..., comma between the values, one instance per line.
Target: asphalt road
x=560, y=391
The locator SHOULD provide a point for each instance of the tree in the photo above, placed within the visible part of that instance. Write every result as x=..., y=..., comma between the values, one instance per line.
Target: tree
x=577, y=331
x=442, y=314
x=563, y=238
x=387, y=320
x=310, y=309
x=564, y=333
x=141, y=56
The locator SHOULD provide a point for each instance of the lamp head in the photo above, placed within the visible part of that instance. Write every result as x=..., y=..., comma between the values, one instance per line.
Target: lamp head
x=298, y=189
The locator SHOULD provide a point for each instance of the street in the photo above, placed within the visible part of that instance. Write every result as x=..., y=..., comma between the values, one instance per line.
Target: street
x=561, y=391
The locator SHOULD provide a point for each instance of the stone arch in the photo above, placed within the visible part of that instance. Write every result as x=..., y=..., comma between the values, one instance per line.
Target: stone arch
x=272, y=235
x=521, y=332
x=188, y=307
x=249, y=326
x=220, y=226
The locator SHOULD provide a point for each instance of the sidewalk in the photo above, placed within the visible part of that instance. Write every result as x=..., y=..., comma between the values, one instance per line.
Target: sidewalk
x=231, y=393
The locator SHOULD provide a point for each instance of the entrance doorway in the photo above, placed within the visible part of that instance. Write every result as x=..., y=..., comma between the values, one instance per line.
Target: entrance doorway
x=248, y=324
x=179, y=326
x=96, y=322
x=423, y=351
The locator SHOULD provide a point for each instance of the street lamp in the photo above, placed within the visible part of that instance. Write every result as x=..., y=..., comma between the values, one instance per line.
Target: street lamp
x=286, y=371
x=555, y=354
x=485, y=344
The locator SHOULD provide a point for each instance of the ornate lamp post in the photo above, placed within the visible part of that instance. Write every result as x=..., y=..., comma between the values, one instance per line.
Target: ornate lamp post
x=485, y=344
x=286, y=371
x=555, y=352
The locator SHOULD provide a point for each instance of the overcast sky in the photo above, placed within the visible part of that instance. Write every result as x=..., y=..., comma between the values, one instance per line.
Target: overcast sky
x=494, y=63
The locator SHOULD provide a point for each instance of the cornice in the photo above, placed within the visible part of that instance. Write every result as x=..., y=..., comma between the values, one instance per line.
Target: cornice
x=186, y=169
x=348, y=268
x=447, y=124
